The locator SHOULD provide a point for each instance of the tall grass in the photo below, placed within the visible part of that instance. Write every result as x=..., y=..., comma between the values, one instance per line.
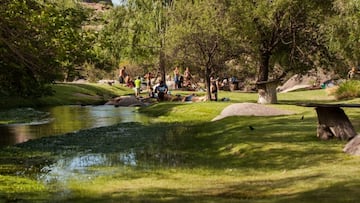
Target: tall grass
x=348, y=90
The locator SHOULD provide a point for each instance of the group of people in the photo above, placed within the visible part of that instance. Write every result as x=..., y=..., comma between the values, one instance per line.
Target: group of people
x=182, y=80
x=161, y=90
x=124, y=78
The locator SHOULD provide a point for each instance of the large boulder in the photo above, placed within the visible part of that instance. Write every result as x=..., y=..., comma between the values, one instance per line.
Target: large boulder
x=250, y=109
x=312, y=79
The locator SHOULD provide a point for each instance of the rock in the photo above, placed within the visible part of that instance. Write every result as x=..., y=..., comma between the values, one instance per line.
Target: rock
x=353, y=146
x=108, y=82
x=312, y=79
x=125, y=101
x=296, y=87
x=251, y=109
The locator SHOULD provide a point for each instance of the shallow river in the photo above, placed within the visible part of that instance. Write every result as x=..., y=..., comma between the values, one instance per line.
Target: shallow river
x=64, y=119
x=79, y=167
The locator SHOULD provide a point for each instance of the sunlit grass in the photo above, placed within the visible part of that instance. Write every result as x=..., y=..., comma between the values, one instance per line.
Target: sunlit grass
x=65, y=94
x=69, y=94
x=228, y=185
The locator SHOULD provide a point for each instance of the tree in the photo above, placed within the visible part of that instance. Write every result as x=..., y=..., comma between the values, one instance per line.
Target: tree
x=137, y=31
x=282, y=32
x=38, y=43
x=343, y=32
x=201, y=32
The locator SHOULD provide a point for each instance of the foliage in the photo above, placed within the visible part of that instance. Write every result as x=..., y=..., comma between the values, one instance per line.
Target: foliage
x=343, y=32
x=99, y=1
x=40, y=43
x=348, y=90
x=282, y=32
x=46, y=41
x=201, y=35
x=136, y=32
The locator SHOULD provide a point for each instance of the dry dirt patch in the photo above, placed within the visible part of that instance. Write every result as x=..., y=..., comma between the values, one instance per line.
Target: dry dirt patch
x=251, y=109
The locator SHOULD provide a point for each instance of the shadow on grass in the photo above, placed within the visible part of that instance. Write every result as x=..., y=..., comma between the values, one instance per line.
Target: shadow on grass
x=346, y=191
x=276, y=144
x=246, y=191
x=296, y=102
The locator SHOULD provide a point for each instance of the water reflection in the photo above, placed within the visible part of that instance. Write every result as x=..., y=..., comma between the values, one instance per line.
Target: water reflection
x=82, y=167
x=87, y=166
x=64, y=119
x=78, y=167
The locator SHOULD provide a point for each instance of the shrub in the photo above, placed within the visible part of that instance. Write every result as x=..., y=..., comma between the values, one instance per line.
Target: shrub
x=349, y=89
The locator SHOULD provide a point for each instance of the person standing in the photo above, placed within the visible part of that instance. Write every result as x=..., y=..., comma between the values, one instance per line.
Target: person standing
x=148, y=77
x=176, y=78
x=353, y=73
x=214, y=88
x=187, y=77
x=122, y=75
x=137, y=86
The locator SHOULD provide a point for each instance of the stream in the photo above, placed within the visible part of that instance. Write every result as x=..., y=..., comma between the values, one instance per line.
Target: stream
x=59, y=175
x=57, y=120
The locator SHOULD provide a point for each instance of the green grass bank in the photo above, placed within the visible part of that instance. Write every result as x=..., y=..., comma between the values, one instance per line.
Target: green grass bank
x=68, y=94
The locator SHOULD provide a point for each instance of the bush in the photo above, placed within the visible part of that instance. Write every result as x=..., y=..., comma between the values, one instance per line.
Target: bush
x=348, y=90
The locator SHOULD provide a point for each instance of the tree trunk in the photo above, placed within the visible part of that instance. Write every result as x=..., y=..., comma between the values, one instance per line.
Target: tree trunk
x=264, y=66
x=266, y=89
x=207, y=80
x=267, y=92
x=162, y=65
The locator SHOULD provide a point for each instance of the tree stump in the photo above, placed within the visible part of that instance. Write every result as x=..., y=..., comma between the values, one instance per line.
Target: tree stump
x=267, y=91
x=333, y=122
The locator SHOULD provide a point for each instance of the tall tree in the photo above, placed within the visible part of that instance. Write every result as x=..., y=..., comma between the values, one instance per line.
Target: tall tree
x=343, y=32
x=38, y=42
x=283, y=32
x=137, y=31
x=201, y=32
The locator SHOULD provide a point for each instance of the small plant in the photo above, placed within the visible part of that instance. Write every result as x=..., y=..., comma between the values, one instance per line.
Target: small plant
x=348, y=90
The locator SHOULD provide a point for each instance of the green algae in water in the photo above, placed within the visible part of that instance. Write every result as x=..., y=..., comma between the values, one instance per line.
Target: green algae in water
x=24, y=116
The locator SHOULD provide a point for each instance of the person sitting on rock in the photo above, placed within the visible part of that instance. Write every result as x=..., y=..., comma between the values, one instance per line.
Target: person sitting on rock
x=161, y=90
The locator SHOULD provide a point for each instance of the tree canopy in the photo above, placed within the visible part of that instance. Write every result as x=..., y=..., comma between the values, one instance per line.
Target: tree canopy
x=46, y=41
x=201, y=33
x=39, y=43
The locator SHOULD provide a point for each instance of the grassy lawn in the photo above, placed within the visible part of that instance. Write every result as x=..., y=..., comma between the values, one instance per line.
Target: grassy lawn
x=184, y=157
